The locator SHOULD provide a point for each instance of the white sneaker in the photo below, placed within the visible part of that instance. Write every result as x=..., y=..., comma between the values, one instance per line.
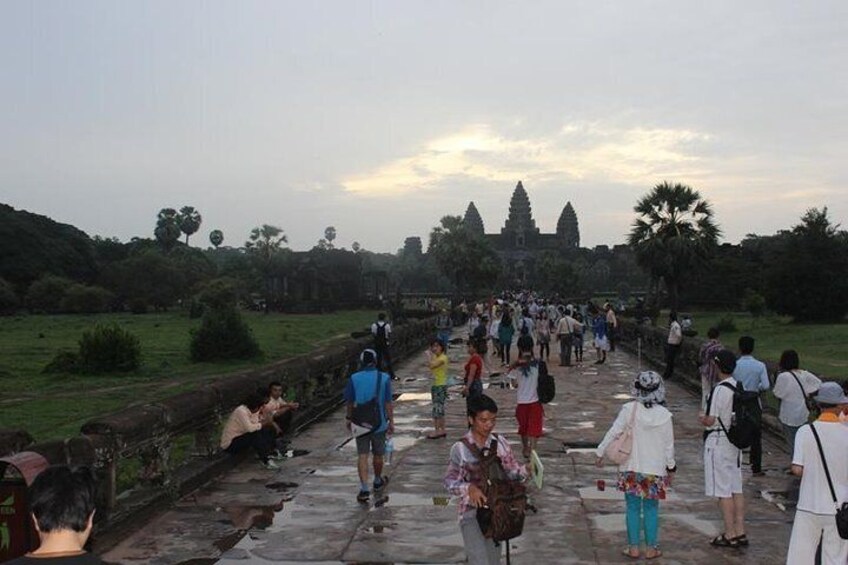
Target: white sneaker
x=272, y=465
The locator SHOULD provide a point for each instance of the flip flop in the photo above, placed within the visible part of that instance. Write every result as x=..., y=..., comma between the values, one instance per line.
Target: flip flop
x=724, y=541
x=627, y=553
x=741, y=540
x=657, y=553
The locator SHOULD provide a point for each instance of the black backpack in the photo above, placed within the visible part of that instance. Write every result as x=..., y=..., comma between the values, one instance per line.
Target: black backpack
x=380, y=340
x=746, y=415
x=546, y=387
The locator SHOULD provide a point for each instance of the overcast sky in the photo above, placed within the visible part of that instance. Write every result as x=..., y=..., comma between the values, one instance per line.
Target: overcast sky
x=381, y=117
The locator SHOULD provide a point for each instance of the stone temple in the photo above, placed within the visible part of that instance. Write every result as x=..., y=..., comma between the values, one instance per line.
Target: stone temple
x=520, y=241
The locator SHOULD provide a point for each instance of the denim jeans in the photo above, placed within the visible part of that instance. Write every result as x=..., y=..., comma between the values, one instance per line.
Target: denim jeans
x=638, y=510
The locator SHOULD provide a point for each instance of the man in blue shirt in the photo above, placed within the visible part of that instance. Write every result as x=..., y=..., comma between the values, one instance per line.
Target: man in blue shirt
x=360, y=389
x=753, y=376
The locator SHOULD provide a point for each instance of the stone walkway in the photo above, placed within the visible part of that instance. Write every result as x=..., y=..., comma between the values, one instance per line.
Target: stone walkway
x=307, y=513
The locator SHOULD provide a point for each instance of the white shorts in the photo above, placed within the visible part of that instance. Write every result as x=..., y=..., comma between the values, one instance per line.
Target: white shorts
x=602, y=343
x=722, y=467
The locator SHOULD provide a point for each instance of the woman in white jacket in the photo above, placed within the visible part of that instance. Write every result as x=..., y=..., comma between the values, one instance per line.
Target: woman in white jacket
x=647, y=473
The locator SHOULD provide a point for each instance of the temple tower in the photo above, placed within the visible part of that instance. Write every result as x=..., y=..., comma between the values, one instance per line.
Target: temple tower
x=568, y=229
x=520, y=224
x=473, y=221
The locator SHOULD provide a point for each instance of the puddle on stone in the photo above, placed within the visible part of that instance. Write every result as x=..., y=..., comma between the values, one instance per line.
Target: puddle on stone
x=380, y=528
x=245, y=518
x=579, y=445
x=409, y=499
x=413, y=396
x=333, y=472
x=587, y=425
x=781, y=499
x=281, y=486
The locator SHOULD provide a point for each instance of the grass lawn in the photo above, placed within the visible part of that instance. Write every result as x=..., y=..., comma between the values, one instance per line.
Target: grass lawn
x=821, y=347
x=52, y=406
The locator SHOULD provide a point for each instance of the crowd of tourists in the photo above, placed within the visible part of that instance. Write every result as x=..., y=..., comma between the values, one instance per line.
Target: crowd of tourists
x=489, y=479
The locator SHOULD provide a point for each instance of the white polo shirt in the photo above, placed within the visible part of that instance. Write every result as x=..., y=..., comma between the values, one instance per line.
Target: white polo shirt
x=815, y=494
x=721, y=406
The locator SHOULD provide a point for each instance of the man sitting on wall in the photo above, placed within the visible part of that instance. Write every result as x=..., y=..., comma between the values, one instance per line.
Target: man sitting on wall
x=244, y=430
x=277, y=413
x=61, y=500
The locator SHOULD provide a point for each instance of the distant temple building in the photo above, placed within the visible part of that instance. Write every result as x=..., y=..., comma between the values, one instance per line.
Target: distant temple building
x=520, y=242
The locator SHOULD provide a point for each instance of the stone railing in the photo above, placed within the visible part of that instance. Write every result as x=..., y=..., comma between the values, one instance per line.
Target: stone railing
x=135, y=447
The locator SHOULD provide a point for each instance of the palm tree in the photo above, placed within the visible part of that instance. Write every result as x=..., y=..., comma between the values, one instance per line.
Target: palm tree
x=265, y=241
x=674, y=233
x=190, y=220
x=330, y=235
x=216, y=238
x=167, y=230
x=356, y=247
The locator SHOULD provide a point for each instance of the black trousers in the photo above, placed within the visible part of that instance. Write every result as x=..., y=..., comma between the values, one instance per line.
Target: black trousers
x=284, y=421
x=262, y=442
x=757, y=449
x=565, y=342
x=671, y=352
x=384, y=361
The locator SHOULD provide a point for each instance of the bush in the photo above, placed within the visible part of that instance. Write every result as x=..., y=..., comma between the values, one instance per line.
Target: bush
x=82, y=299
x=218, y=293
x=107, y=349
x=222, y=335
x=8, y=298
x=754, y=303
x=726, y=325
x=63, y=362
x=46, y=294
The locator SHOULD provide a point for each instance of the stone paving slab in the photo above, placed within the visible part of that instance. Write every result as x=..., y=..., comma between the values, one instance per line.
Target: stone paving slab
x=306, y=512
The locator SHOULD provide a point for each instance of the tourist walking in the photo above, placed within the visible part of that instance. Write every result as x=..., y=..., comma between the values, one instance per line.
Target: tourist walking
x=464, y=477
x=612, y=325
x=528, y=410
x=367, y=385
x=753, y=376
x=382, y=332
x=672, y=345
x=647, y=472
x=824, y=442
x=599, y=329
x=722, y=459
x=506, y=330
x=473, y=387
x=706, y=367
x=437, y=362
x=565, y=335
x=577, y=337
x=543, y=335
x=794, y=387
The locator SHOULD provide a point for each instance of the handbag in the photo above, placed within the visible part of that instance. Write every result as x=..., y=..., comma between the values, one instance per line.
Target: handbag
x=841, y=511
x=367, y=415
x=811, y=405
x=619, y=449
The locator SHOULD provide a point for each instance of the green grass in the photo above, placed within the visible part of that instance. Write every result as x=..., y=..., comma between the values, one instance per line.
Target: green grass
x=52, y=406
x=821, y=347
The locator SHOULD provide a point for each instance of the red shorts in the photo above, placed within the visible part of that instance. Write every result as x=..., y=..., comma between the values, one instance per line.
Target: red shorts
x=530, y=417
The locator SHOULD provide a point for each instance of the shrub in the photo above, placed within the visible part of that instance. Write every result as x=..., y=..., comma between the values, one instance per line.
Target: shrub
x=107, y=349
x=45, y=295
x=8, y=298
x=222, y=335
x=754, y=303
x=726, y=324
x=63, y=362
x=218, y=293
x=82, y=299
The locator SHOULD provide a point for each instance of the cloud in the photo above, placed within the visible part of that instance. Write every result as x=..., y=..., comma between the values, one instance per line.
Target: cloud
x=579, y=151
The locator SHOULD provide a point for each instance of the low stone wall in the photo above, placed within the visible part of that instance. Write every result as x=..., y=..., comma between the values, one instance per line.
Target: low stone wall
x=143, y=436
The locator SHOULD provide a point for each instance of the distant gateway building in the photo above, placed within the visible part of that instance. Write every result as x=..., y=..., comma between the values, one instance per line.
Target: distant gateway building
x=520, y=242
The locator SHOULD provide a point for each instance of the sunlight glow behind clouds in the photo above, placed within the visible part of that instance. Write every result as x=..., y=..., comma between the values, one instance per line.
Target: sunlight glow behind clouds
x=576, y=152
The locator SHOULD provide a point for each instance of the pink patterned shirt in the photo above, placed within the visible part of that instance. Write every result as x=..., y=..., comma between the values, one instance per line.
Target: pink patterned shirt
x=462, y=461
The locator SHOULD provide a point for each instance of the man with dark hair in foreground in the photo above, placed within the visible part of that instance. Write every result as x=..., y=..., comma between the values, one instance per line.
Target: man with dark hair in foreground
x=62, y=506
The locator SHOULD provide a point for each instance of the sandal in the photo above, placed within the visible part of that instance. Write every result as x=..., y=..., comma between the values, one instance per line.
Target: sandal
x=628, y=552
x=723, y=541
x=741, y=540
x=653, y=553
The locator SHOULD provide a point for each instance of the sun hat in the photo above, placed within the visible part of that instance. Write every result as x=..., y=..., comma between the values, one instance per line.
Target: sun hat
x=726, y=361
x=648, y=388
x=831, y=394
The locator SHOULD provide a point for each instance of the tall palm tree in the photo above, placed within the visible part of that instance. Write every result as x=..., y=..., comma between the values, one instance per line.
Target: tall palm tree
x=330, y=235
x=190, y=220
x=266, y=240
x=673, y=235
x=216, y=238
x=167, y=230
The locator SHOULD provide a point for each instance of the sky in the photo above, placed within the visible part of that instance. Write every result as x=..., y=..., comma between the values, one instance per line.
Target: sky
x=380, y=117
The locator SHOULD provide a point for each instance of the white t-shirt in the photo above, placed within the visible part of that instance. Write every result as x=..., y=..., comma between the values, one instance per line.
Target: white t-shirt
x=815, y=494
x=721, y=406
x=528, y=385
x=675, y=334
x=388, y=328
x=793, y=408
